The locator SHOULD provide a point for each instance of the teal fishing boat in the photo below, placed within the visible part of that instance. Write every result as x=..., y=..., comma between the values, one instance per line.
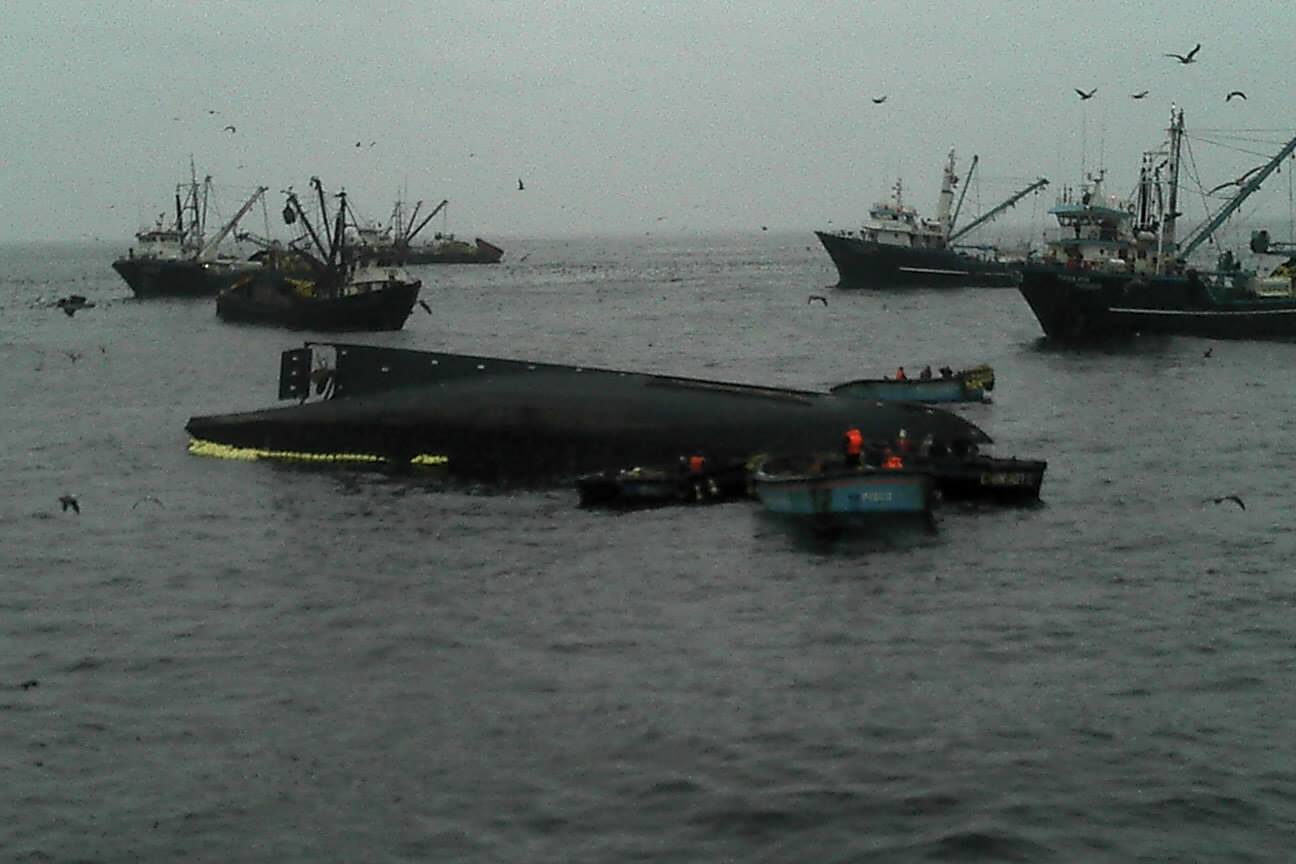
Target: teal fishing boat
x=842, y=491
x=967, y=385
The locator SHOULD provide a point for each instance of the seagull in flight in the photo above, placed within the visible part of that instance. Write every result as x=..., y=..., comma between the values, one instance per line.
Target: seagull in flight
x=1083, y=95
x=878, y=100
x=153, y=498
x=1234, y=498
x=69, y=503
x=521, y=185
x=1190, y=57
x=230, y=129
x=1138, y=95
x=813, y=297
x=1232, y=93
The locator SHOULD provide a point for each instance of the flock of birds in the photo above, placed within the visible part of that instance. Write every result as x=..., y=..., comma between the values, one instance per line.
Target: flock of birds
x=1085, y=95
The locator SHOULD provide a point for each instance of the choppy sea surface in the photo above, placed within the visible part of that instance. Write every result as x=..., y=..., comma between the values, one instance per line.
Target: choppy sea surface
x=247, y=662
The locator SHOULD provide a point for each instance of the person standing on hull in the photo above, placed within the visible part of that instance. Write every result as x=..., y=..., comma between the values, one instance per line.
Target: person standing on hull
x=853, y=447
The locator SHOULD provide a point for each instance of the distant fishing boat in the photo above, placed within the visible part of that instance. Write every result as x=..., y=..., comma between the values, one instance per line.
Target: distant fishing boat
x=899, y=248
x=178, y=259
x=332, y=291
x=966, y=385
x=394, y=242
x=1118, y=268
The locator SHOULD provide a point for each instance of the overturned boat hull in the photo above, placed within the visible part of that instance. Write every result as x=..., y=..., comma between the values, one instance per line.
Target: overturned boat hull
x=503, y=420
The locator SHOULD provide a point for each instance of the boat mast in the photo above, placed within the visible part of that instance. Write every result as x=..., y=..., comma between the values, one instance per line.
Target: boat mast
x=1202, y=234
x=958, y=208
x=301, y=214
x=1167, y=243
x=990, y=214
x=946, y=200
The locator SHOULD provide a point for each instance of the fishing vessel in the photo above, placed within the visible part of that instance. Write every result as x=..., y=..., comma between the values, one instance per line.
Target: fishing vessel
x=900, y=248
x=1120, y=269
x=328, y=289
x=394, y=242
x=178, y=259
x=965, y=385
x=832, y=494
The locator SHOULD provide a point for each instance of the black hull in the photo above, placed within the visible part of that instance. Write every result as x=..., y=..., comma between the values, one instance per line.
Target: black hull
x=499, y=420
x=151, y=277
x=482, y=253
x=987, y=479
x=381, y=309
x=864, y=264
x=1084, y=306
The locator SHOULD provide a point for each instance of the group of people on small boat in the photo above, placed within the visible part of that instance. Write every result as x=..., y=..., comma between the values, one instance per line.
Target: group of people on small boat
x=925, y=374
x=892, y=455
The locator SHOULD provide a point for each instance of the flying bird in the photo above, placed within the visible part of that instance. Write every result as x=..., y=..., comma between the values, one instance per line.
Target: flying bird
x=1234, y=498
x=426, y=307
x=1208, y=352
x=1233, y=93
x=813, y=297
x=69, y=502
x=73, y=303
x=1138, y=95
x=1083, y=95
x=154, y=499
x=1190, y=57
x=230, y=129
x=521, y=185
x=878, y=100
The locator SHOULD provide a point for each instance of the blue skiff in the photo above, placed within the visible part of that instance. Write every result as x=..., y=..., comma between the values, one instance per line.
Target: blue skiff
x=843, y=491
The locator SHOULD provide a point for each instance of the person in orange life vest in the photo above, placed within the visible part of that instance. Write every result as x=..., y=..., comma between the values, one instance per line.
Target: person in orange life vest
x=900, y=374
x=891, y=460
x=696, y=464
x=853, y=445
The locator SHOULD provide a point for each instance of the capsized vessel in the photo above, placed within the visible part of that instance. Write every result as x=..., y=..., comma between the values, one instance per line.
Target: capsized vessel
x=505, y=420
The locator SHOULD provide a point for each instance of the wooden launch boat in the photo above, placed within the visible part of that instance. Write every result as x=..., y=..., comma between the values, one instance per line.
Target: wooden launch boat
x=840, y=491
x=689, y=483
x=966, y=385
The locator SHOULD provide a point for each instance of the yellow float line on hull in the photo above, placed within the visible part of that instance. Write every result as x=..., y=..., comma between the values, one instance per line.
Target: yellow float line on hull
x=201, y=447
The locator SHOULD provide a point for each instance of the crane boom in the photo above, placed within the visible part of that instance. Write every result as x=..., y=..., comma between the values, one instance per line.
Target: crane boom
x=990, y=214
x=1203, y=233
x=427, y=219
x=209, y=248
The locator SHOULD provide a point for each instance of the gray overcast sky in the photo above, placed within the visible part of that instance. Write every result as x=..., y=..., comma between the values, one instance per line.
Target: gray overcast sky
x=715, y=116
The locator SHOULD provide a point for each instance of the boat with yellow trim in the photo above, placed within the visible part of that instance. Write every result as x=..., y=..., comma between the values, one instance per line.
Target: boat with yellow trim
x=332, y=291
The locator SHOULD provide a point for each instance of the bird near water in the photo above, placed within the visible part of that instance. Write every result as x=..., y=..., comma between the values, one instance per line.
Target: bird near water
x=1190, y=57
x=231, y=129
x=69, y=502
x=1232, y=93
x=1234, y=498
x=878, y=100
x=521, y=185
x=153, y=498
x=1085, y=96
x=813, y=297
x=1139, y=95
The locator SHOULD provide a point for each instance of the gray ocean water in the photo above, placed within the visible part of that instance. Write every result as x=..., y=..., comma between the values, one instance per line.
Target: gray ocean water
x=293, y=665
